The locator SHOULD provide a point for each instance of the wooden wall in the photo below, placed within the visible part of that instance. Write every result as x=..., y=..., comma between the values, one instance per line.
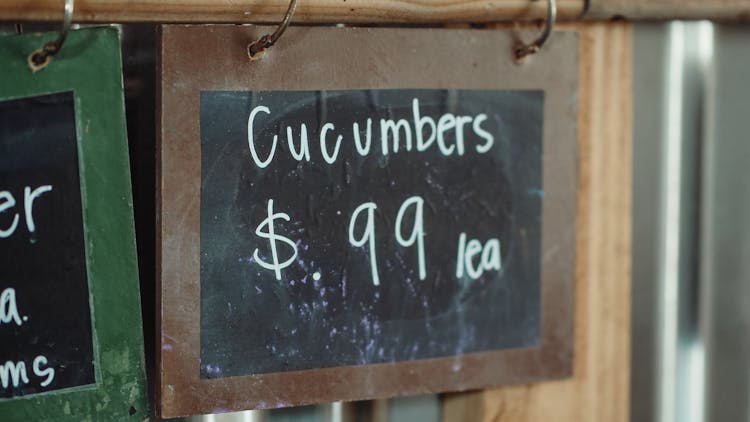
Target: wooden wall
x=599, y=389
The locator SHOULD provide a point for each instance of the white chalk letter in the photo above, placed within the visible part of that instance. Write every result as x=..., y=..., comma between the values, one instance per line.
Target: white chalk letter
x=251, y=141
x=473, y=248
x=445, y=123
x=460, y=122
x=12, y=373
x=330, y=159
x=367, y=236
x=8, y=307
x=489, y=139
x=304, y=145
x=363, y=150
x=417, y=231
x=48, y=373
x=6, y=202
x=389, y=126
x=419, y=124
x=460, y=257
x=28, y=201
x=491, y=255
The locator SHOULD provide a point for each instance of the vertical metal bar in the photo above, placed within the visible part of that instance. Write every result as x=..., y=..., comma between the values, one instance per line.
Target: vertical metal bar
x=669, y=270
x=650, y=58
x=668, y=150
x=726, y=229
x=681, y=363
x=337, y=411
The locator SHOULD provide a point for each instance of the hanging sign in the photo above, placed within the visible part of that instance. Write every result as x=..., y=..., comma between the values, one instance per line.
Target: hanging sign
x=395, y=215
x=71, y=346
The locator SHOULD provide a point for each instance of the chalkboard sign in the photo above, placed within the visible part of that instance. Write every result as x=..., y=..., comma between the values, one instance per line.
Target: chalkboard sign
x=70, y=328
x=47, y=337
x=361, y=230
x=393, y=225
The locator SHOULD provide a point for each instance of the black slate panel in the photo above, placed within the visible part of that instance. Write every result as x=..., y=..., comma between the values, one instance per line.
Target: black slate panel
x=48, y=341
x=326, y=310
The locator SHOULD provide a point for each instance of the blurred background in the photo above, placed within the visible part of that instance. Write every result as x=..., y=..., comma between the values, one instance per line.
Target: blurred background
x=691, y=223
x=691, y=226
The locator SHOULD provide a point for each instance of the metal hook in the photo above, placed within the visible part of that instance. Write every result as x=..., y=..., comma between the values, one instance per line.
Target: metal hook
x=255, y=49
x=40, y=58
x=525, y=50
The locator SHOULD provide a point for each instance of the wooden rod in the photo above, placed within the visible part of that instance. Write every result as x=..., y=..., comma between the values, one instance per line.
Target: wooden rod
x=732, y=10
x=369, y=11
x=308, y=11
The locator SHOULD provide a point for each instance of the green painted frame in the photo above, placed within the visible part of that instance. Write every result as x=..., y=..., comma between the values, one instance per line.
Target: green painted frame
x=89, y=64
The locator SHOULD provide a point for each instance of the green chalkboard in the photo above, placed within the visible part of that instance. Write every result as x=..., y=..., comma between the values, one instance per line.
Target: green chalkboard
x=71, y=345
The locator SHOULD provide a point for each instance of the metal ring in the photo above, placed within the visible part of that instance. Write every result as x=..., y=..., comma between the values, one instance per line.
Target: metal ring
x=525, y=50
x=255, y=49
x=41, y=57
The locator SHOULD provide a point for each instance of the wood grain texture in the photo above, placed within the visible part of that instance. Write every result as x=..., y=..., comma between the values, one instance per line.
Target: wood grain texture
x=599, y=389
x=737, y=10
x=370, y=11
x=265, y=11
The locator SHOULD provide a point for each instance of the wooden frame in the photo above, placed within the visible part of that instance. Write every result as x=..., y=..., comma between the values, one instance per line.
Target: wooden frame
x=120, y=388
x=190, y=59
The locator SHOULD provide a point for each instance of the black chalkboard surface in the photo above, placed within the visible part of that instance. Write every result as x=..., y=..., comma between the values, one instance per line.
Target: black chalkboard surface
x=407, y=227
x=45, y=318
